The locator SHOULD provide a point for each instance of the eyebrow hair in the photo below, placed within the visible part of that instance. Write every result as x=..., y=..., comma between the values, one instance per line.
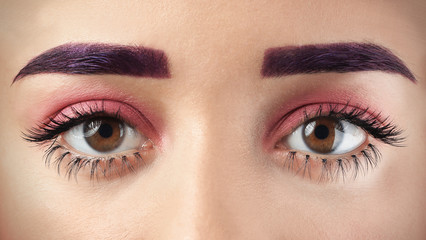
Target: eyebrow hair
x=334, y=57
x=99, y=58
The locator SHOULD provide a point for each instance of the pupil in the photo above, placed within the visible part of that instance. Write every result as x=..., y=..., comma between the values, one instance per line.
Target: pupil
x=105, y=130
x=321, y=132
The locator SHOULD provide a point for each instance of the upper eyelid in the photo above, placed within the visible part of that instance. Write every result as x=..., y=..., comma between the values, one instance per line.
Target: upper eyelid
x=87, y=109
x=296, y=117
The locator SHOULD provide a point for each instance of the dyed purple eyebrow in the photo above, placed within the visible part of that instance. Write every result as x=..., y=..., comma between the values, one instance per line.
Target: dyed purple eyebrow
x=99, y=58
x=335, y=57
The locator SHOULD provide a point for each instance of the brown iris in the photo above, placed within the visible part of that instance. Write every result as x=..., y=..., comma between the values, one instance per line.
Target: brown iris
x=319, y=134
x=104, y=134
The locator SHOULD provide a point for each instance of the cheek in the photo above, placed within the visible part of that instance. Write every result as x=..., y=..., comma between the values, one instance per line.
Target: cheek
x=24, y=193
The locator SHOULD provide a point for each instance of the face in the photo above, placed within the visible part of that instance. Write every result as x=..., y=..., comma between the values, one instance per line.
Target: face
x=219, y=120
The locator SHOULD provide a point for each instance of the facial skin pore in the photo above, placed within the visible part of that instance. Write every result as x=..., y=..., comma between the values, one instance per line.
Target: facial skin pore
x=202, y=74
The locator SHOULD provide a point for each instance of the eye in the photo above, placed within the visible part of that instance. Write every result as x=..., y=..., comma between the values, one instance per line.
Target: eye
x=101, y=139
x=103, y=136
x=326, y=135
x=337, y=142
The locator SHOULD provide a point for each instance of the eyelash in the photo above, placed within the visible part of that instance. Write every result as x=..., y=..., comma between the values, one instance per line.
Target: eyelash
x=76, y=163
x=47, y=134
x=368, y=158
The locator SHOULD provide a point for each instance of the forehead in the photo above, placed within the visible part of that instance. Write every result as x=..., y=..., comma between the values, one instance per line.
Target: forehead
x=296, y=20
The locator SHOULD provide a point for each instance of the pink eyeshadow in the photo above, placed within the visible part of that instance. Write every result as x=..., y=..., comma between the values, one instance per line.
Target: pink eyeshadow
x=292, y=113
x=109, y=107
x=137, y=112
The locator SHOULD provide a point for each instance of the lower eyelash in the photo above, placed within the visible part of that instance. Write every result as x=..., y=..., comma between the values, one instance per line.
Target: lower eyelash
x=99, y=167
x=334, y=169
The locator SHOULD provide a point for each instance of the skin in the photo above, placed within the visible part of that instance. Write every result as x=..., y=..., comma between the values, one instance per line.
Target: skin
x=213, y=177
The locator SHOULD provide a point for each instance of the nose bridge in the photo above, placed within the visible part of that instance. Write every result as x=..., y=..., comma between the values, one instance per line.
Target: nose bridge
x=199, y=154
x=198, y=204
x=210, y=158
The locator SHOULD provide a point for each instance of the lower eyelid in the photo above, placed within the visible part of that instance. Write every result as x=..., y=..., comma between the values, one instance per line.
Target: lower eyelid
x=329, y=168
x=72, y=164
